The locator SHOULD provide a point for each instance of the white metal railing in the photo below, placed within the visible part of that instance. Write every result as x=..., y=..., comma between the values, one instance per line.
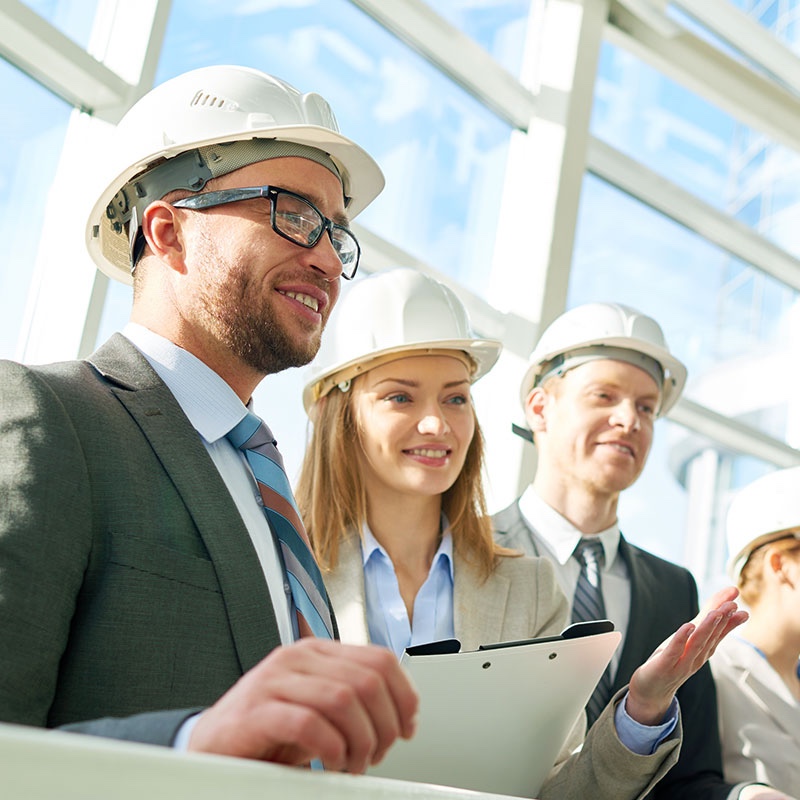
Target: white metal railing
x=54, y=765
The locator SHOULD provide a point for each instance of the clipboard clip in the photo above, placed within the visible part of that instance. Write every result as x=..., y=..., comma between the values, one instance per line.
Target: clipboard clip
x=575, y=631
x=440, y=648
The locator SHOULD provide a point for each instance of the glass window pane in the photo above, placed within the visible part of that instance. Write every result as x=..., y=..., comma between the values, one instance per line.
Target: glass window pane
x=728, y=322
x=737, y=331
x=443, y=153
x=778, y=16
x=31, y=138
x=657, y=531
x=74, y=18
x=499, y=26
x=697, y=146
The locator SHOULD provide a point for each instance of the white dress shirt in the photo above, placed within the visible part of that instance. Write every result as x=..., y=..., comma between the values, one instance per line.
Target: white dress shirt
x=558, y=537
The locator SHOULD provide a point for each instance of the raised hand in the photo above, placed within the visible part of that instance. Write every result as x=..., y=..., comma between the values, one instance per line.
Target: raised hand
x=654, y=684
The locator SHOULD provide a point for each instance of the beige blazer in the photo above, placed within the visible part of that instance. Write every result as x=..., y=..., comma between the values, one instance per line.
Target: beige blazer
x=520, y=599
x=759, y=720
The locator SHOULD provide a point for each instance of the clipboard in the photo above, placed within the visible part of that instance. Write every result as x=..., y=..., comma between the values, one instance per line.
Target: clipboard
x=494, y=719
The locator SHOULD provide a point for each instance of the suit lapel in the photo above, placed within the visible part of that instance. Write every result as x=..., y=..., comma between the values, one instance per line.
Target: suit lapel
x=347, y=594
x=479, y=608
x=183, y=456
x=767, y=686
x=511, y=530
x=642, y=598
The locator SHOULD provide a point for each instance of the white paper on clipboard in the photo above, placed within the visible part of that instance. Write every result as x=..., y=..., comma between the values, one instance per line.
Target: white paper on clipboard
x=494, y=720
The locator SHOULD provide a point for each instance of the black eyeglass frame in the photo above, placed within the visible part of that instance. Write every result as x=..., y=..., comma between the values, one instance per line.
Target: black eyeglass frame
x=199, y=202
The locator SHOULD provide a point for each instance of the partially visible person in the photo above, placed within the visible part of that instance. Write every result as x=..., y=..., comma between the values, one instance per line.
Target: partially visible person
x=406, y=549
x=149, y=588
x=599, y=377
x=757, y=670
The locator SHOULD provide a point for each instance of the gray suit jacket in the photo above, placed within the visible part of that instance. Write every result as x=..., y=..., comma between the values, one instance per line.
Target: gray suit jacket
x=520, y=600
x=663, y=597
x=759, y=718
x=128, y=582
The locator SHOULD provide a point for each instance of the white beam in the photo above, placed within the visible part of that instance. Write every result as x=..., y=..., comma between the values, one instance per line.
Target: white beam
x=752, y=98
x=729, y=433
x=732, y=235
x=40, y=50
x=457, y=55
x=746, y=35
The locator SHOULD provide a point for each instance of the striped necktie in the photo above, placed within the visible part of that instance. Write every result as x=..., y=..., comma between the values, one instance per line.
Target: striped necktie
x=255, y=440
x=588, y=605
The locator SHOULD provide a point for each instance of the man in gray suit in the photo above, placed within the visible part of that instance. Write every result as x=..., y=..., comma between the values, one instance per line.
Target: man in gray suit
x=142, y=595
x=596, y=382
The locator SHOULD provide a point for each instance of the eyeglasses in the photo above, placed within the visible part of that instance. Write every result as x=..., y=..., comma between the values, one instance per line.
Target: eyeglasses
x=291, y=216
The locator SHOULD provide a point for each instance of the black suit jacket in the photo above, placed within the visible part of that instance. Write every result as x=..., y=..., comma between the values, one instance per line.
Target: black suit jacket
x=663, y=597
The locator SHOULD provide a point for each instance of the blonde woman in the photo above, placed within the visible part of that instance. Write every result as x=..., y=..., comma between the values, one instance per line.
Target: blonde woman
x=390, y=491
x=756, y=671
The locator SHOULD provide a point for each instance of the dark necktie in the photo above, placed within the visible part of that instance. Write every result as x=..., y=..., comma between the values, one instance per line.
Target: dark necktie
x=255, y=440
x=588, y=605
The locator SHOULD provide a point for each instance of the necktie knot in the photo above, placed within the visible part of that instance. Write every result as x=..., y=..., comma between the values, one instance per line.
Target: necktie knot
x=589, y=552
x=251, y=433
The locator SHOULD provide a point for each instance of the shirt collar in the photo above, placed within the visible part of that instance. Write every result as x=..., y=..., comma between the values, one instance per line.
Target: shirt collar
x=559, y=533
x=210, y=404
x=370, y=546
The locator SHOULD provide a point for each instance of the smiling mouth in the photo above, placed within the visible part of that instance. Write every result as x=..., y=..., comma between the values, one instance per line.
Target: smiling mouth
x=427, y=452
x=306, y=300
x=620, y=448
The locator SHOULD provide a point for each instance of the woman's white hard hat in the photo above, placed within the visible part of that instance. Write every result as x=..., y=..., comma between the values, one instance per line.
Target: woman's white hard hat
x=623, y=330
x=398, y=312
x=765, y=510
x=215, y=105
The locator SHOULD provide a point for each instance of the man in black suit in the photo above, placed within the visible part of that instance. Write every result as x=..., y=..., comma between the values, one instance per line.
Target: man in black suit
x=596, y=382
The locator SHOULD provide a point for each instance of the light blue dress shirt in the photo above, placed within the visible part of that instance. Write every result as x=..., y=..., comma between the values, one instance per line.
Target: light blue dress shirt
x=387, y=618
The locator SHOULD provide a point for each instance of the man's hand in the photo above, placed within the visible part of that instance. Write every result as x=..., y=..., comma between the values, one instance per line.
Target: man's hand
x=654, y=684
x=343, y=704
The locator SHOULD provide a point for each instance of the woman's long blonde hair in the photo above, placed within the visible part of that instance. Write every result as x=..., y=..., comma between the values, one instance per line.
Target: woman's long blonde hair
x=332, y=499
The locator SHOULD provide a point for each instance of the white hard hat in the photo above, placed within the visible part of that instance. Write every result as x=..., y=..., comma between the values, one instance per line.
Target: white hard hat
x=606, y=330
x=393, y=313
x=767, y=509
x=209, y=106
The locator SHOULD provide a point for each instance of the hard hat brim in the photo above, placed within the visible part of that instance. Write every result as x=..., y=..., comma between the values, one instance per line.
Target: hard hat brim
x=674, y=371
x=483, y=352
x=363, y=182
